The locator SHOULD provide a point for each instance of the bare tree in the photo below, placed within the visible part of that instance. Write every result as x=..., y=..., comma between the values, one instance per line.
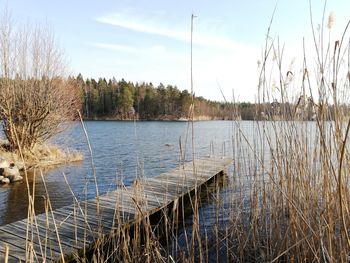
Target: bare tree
x=36, y=97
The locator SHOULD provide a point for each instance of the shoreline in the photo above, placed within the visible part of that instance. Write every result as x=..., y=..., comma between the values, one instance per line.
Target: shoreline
x=201, y=118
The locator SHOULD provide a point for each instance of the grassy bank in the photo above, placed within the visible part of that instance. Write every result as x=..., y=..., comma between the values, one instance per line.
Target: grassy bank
x=41, y=156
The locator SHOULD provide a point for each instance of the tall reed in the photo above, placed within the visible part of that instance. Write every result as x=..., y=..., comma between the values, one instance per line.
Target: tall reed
x=299, y=202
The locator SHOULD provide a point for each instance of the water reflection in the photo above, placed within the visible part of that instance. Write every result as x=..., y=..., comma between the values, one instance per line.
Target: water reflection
x=15, y=204
x=211, y=213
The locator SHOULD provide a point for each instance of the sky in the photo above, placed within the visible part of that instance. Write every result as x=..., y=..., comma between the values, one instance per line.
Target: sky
x=146, y=40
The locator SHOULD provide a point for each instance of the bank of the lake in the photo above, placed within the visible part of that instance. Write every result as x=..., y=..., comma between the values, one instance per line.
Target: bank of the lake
x=160, y=118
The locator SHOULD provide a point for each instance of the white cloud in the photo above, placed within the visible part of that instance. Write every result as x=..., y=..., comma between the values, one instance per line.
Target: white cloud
x=158, y=27
x=216, y=59
x=159, y=49
x=127, y=21
x=146, y=53
x=114, y=47
x=234, y=70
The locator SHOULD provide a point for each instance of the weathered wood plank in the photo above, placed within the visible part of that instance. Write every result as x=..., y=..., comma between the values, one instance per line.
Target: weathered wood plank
x=120, y=212
x=149, y=185
x=10, y=259
x=45, y=240
x=79, y=214
x=47, y=248
x=16, y=254
x=17, y=246
x=69, y=233
x=137, y=196
x=129, y=200
x=186, y=180
x=160, y=197
x=171, y=189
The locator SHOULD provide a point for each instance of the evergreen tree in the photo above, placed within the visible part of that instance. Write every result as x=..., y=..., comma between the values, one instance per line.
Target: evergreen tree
x=125, y=100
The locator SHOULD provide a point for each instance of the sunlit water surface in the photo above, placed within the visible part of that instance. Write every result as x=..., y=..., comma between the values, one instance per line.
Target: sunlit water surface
x=121, y=151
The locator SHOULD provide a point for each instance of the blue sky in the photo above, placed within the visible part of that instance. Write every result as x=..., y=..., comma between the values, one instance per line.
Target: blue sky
x=148, y=41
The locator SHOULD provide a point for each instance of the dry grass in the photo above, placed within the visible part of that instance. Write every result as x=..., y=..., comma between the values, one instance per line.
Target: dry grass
x=48, y=155
x=298, y=183
x=42, y=155
x=290, y=198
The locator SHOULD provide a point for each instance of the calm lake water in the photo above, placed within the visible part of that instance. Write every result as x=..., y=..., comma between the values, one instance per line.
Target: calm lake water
x=121, y=151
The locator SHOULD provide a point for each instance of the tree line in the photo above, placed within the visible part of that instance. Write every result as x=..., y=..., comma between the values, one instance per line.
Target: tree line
x=124, y=100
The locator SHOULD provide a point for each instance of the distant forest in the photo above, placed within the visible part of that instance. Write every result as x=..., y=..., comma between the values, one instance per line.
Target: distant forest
x=125, y=100
x=113, y=99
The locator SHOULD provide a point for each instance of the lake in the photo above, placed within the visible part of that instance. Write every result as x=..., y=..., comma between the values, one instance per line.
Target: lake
x=121, y=151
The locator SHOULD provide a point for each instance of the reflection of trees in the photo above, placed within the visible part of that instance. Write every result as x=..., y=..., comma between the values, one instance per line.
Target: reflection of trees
x=207, y=196
x=15, y=206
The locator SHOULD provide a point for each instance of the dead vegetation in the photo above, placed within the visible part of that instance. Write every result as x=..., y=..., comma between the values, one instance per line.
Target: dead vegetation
x=36, y=97
x=41, y=156
x=292, y=200
x=37, y=100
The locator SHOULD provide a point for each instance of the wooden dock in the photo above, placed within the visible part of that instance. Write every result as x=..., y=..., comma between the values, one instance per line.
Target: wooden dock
x=72, y=228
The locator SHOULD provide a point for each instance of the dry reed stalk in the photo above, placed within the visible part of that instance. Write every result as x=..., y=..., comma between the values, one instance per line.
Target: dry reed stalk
x=91, y=158
x=53, y=218
x=302, y=213
x=7, y=250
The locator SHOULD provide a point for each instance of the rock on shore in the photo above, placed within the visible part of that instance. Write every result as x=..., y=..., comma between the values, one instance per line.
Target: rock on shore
x=9, y=172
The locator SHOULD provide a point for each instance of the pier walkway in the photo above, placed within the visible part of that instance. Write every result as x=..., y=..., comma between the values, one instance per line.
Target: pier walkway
x=66, y=231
